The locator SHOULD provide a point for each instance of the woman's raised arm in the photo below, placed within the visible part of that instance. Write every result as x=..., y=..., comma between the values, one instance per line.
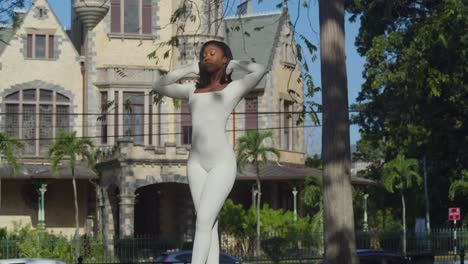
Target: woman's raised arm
x=255, y=73
x=167, y=85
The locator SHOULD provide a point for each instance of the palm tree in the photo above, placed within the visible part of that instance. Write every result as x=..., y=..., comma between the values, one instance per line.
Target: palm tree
x=251, y=149
x=400, y=173
x=459, y=185
x=68, y=146
x=8, y=147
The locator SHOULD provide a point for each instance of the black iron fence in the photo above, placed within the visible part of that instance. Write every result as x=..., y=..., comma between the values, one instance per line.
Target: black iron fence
x=440, y=246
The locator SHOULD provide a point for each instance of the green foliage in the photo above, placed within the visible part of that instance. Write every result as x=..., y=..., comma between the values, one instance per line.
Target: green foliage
x=313, y=192
x=415, y=97
x=8, y=149
x=231, y=218
x=8, y=15
x=314, y=162
x=400, y=173
x=234, y=220
x=384, y=220
x=24, y=242
x=68, y=146
x=251, y=148
x=459, y=186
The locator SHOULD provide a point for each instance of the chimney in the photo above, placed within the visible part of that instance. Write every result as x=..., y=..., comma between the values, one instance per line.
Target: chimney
x=244, y=8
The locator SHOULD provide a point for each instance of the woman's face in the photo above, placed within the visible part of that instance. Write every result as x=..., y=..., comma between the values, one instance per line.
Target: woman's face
x=213, y=58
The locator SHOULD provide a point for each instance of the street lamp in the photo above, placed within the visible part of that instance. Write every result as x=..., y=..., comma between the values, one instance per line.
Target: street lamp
x=366, y=226
x=294, y=192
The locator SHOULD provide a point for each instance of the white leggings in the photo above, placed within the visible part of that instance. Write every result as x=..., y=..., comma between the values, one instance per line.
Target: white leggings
x=209, y=189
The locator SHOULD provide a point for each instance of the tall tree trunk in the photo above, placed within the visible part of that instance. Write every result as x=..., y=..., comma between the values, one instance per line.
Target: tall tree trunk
x=403, y=207
x=259, y=195
x=426, y=196
x=77, y=224
x=340, y=244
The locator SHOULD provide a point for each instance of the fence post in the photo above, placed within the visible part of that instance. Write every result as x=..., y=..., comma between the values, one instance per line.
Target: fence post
x=462, y=256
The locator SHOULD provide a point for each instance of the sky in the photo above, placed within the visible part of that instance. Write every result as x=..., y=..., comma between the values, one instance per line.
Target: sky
x=355, y=63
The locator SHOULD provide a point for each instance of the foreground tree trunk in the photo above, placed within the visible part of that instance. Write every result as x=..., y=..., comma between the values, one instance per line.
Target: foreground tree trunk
x=340, y=244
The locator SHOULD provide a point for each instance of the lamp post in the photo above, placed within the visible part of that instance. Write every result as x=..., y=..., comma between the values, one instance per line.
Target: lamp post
x=366, y=226
x=294, y=192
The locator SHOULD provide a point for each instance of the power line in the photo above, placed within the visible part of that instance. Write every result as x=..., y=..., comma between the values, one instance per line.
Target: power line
x=154, y=113
x=173, y=113
x=169, y=133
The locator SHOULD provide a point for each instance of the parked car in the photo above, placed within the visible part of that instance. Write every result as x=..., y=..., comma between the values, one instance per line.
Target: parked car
x=30, y=261
x=185, y=257
x=372, y=256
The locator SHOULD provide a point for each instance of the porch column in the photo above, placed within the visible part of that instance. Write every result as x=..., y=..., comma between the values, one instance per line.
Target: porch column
x=127, y=215
x=108, y=224
x=127, y=201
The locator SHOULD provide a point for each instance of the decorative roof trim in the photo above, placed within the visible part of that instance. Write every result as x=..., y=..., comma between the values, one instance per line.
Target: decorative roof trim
x=273, y=13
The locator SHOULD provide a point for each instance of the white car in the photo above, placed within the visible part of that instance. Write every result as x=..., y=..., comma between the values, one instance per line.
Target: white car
x=30, y=261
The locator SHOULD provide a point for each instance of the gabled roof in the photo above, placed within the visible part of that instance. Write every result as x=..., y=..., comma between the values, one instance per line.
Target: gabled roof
x=274, y=171
x=43, y=171
x=11, y=32
x=249, y=44
x=5, y=35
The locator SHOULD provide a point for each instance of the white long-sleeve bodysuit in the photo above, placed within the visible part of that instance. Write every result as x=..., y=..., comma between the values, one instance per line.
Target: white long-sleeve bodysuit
x=211, y=167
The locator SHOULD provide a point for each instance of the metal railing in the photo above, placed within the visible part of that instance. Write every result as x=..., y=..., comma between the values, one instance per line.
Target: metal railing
x=439, y=244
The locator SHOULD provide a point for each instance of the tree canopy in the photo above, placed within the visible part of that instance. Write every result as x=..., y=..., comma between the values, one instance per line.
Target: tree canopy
x=415, y=98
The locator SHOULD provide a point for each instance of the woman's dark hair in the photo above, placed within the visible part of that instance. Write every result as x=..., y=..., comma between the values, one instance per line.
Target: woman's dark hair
x=205, y=79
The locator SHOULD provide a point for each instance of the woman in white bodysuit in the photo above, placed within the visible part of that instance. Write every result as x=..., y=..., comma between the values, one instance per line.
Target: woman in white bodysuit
x=211, y=167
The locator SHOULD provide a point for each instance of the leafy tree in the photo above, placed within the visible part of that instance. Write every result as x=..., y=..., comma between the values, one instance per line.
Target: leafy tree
x=399, y=174
x=8, y=16
x=314, y=162
x=414, y=99
x=8, y=148
x=251, y=149
x=67, y=146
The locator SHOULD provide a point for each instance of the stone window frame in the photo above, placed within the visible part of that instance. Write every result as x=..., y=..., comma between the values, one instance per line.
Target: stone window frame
x=37, y=102
x=121, y=33
x=47, y=33
x=251, y=115
x=185, y=124
x=287, y=133
x=288, y=55
x=131, y=125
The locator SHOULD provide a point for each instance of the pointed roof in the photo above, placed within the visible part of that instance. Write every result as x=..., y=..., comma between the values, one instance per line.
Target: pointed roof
x=5, y=35
x=9, y=32
x=254, y=37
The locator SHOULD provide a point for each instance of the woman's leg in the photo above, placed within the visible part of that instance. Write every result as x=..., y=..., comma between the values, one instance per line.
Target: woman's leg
x=197, y=177
x=218, y=185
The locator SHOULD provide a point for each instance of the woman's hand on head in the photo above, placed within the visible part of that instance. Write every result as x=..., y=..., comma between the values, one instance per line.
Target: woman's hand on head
x=196, y=68
x=231, y=66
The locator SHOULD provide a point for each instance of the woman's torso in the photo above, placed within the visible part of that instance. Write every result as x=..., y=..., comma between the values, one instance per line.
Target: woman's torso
x=210, y=112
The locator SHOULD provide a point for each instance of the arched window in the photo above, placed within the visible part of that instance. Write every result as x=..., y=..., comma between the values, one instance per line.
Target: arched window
x=35, y=116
